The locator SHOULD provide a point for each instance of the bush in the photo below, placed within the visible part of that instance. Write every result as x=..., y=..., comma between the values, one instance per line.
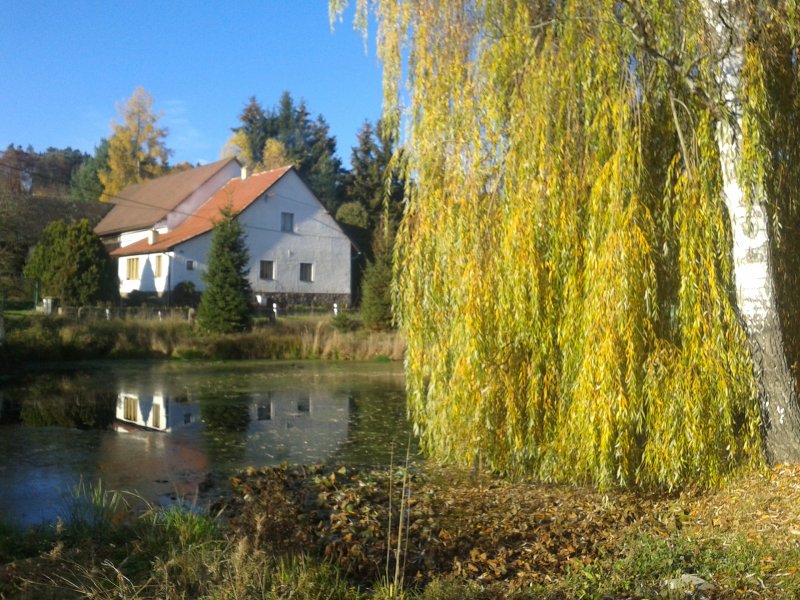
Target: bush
x=185, y=294
x=343, y=322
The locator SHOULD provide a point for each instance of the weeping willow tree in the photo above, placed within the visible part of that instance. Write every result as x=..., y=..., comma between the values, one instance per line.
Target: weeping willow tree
x=587, y=268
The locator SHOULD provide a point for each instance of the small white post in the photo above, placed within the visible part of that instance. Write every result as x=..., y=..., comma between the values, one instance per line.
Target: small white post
x=275, y=309
x=335, y=309
x=108, y=314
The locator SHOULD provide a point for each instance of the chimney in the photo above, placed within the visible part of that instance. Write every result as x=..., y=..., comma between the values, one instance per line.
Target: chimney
x=244, y=173
x=152, y=237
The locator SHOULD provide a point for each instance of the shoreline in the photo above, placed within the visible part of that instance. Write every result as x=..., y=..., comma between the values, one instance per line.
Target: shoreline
x=464, y=535
x=34, y=339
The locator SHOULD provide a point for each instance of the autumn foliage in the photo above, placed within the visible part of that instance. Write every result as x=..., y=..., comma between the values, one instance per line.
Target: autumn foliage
x=563, y=267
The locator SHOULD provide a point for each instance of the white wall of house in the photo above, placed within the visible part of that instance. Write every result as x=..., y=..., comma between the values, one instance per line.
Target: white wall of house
x=141, y=272
x=190, y=261
x=131, y=237
x=315, y=240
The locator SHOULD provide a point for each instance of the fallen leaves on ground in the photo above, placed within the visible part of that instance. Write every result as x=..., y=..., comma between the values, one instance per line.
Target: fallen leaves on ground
x=478, y=528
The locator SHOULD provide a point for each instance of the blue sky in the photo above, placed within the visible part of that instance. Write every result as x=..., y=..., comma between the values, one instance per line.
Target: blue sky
x=66, y=65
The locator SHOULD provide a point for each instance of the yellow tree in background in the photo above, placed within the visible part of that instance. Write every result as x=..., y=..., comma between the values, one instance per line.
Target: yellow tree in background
x=136, y=149
x=590, y=268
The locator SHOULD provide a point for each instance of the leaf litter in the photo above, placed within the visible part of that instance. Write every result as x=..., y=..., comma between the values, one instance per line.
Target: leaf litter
x=515, y=535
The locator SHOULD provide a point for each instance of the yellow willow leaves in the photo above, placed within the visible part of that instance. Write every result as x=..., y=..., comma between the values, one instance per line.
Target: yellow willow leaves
x=563, y=278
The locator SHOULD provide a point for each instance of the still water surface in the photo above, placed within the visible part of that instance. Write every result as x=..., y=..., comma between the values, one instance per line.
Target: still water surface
x=160, y=428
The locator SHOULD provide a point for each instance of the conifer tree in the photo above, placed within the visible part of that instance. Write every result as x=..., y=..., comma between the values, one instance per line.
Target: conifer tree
x=225, y=304
x=136, y=149
x=253, y=133
x=305, y=143
x=85, y=185
x=376, y=283
x=374, y=180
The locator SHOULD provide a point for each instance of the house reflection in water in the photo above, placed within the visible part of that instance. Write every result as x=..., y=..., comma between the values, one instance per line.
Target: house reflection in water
x=155, y=411
x=282, y=426
x=297, y=427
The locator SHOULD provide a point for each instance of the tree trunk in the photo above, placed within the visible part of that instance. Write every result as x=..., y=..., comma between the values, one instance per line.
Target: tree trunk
x=752, y=253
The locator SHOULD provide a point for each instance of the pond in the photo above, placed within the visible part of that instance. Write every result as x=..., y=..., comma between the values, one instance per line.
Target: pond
x=162, y=429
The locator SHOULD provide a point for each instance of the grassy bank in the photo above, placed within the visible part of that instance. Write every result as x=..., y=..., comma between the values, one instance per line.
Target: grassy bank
x=34, y=338
x=462, y=537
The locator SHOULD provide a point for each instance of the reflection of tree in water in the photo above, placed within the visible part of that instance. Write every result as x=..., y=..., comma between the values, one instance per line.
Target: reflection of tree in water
x=71, y=401
x=226, y=418
x=10, y=409
x=378, y=424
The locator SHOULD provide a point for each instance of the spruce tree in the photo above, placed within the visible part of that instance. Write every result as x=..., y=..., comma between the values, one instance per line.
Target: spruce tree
x=85, y=184
x=376, y=284
x=303, y=142
x=225, y=304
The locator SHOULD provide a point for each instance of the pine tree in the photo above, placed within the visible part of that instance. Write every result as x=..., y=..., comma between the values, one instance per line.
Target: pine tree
x=85, y=184
x=136, y=149
x=324, y=171
x=373, y=180
x=288, y=133
x=253, y=133
x=225, y=304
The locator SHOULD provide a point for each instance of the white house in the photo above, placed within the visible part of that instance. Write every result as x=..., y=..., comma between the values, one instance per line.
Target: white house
x=161, y=236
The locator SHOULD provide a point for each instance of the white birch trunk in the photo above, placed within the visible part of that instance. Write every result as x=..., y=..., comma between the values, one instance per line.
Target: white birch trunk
x=752, y=252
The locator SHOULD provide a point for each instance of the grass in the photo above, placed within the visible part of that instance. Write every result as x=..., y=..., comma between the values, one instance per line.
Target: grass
x=37, y=338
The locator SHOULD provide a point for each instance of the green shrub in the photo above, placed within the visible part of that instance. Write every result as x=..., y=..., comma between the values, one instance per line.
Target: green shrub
x=343, y=322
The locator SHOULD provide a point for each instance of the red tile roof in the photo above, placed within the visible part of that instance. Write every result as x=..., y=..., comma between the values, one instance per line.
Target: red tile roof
x=236, y=194
x=145, y=204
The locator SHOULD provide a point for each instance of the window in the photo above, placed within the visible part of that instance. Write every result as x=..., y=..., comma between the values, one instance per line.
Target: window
x=287, y=221
x=130, y=409
x=159, y=266
x=133, y=269
x=265, y=412
x=267, y=269
x=190, y=265
x=306, y=272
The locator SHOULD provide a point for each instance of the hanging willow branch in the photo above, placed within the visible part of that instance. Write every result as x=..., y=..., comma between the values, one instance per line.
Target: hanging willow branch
x=563, y=277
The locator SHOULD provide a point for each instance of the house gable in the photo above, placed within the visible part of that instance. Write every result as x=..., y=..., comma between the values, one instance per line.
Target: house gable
x=313, y=258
